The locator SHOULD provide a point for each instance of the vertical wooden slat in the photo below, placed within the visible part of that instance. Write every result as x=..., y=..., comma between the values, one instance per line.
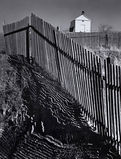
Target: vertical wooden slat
x=115, y=107
x=57, y=57
x=92, y=88
x=101, y=87
x=107, y=96
x=96, y=93
x=89, y=86
x=73, y=68
x=86, y=84
x=77, y=73
x=83, y=79
x=118, y=82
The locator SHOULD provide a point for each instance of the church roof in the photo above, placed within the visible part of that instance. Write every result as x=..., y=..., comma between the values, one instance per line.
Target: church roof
x=82, y=17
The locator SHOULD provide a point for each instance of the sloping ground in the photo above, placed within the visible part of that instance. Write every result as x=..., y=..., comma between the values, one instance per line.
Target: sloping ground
x=70, y=137
x=41, y=148
x=10, y=140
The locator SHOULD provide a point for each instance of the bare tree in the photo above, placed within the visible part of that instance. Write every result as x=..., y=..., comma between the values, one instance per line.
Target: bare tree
x=104, y=28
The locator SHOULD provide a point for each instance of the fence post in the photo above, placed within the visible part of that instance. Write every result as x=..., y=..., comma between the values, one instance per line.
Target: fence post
x=108, y=97
x=106, y=40
x=57, y=57
x=108, y=60
x=28, y=43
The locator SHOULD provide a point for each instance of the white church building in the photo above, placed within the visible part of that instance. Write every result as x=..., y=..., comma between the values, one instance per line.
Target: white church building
x=80, y=24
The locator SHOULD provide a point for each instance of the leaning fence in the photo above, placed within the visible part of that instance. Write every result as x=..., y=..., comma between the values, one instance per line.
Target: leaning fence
x=95, y=84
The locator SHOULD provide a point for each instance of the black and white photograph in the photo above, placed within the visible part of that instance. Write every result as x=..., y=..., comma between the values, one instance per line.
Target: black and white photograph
x=60, y=79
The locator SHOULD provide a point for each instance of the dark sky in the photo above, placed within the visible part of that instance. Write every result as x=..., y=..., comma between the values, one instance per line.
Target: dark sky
x=61, y=12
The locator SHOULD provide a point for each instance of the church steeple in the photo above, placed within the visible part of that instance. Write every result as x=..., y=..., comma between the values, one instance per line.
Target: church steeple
x=82, y=13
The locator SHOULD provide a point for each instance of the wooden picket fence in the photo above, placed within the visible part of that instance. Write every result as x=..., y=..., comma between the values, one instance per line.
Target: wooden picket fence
x=94, y=83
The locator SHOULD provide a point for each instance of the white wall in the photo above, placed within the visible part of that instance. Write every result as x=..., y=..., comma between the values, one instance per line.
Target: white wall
x=82, y=26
